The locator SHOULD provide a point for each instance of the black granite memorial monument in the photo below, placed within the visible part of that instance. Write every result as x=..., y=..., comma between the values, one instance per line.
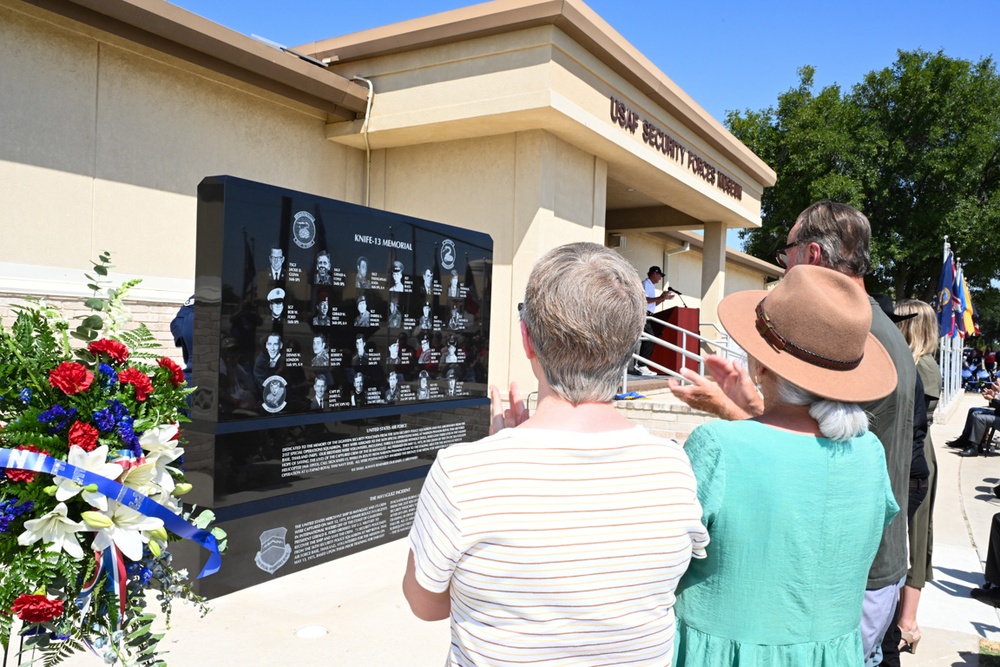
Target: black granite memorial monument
x=332, y=362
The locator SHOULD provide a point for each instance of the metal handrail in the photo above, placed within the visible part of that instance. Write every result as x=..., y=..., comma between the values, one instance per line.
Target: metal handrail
x=722, y=344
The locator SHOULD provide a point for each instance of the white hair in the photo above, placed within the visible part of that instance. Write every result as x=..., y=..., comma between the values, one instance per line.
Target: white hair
x=837, y=420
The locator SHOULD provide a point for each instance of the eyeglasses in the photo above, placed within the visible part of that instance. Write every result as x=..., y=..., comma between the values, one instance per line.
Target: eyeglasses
x=782, y=253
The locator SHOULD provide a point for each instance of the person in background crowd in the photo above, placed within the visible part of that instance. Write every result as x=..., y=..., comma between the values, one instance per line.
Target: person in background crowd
x=653, y=276
x=558, y=540
x=978, y=421
x=921, y=334
x=800, y=487
x=989, y=591
x=182, y=329
x=837, y=236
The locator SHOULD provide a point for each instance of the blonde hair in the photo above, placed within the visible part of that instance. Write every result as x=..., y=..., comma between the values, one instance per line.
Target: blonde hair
x=920, y=331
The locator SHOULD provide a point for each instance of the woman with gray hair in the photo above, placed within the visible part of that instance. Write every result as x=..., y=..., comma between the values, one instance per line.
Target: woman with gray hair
x=560, y=538
x=796, y=499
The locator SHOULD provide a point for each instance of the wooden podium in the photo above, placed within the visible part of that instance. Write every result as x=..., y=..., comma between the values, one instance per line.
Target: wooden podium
x=684, y=318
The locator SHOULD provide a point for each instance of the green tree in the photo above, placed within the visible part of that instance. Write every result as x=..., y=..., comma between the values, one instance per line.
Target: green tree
x=915, y=146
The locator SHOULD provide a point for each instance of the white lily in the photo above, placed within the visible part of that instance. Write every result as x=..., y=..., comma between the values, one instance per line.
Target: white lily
x=95, y=462
x=55, y=529
x=141, y=478
x=159, y=442
x=128, y=531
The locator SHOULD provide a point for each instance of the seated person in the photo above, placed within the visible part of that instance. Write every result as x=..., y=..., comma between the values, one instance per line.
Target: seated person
x=989, y=592
x=977, y=422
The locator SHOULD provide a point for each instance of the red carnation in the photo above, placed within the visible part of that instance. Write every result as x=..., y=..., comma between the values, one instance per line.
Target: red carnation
x=71, y=377
x=176, y=372
x=139, y=380
x=84, y=436
x=27, y=476
x=37, y=608
x=112, y=348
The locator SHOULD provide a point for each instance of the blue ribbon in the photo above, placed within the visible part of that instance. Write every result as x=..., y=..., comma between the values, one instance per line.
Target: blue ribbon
x=24, y=459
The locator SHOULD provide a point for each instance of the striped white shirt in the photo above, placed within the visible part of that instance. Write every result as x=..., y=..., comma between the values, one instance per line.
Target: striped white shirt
x=560, y=548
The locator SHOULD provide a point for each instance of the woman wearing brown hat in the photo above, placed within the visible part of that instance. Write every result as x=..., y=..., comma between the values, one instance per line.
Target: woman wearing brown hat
x=796, y=499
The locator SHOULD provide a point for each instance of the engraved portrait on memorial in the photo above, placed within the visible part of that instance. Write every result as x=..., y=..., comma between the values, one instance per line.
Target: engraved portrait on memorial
x=362, y=354
x=358, y=396
x=270, y=360
x=428, y=282
x=451, y=351
x=396, y=277
x=361, y=279
x=426, y=322
x=318, y=398
x=323, y=266
x=364, y=317
x=275, y=388
x=312, y=287
x=423, y=388
x=276, y=303
x=427, y=352
x=322, y=316
x=394, y=318
x=321, y=352
x=457, y=320
x=277, y=261
x=391, y=394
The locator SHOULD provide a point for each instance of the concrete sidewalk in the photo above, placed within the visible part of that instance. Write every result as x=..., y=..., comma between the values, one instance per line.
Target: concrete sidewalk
x=351, y=612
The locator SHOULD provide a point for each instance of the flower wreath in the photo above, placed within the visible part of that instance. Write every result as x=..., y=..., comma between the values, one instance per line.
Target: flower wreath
x=90, y=455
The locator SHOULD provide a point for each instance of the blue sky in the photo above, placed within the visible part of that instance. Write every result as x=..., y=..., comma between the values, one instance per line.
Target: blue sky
x=726, y=55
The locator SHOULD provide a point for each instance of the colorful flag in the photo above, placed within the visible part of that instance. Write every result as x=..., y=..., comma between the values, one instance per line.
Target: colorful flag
x=970, y=318
x=944, y=301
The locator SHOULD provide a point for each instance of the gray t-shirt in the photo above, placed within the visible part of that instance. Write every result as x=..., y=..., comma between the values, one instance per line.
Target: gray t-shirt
x=892, y=422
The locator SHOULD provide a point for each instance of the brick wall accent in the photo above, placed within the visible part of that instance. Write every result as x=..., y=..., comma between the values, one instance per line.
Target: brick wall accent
x=156, y=317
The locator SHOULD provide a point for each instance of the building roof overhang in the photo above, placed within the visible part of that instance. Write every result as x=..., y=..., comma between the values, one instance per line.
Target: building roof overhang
x=576, y=20
x=169, y=29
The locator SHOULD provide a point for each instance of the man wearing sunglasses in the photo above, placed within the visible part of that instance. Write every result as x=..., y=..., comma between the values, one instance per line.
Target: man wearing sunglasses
x=837, y=236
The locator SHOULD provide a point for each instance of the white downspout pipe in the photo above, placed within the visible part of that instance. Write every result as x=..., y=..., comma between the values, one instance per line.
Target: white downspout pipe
x=364, y=131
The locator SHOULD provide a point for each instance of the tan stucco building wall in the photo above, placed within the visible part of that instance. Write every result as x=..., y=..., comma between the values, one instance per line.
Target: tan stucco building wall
x=108, y=130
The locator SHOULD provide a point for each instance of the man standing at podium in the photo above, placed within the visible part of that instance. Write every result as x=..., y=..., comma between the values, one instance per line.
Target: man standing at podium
x=654, y=276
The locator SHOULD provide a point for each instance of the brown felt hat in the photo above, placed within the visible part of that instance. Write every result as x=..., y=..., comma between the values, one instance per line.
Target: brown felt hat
x=812, y=329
